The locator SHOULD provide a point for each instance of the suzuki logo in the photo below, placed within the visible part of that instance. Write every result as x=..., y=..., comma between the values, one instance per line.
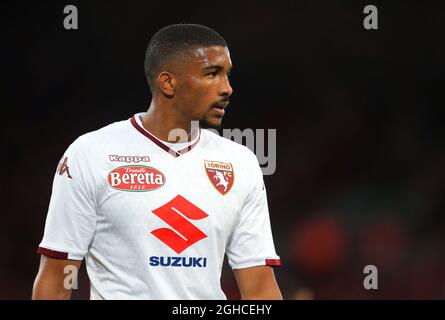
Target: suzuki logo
x=185, y=233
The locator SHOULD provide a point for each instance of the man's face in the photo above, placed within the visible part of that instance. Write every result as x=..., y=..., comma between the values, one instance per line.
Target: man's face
x=203, y=88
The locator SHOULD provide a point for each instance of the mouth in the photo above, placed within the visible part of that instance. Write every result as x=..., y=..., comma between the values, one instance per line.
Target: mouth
x=220, y=106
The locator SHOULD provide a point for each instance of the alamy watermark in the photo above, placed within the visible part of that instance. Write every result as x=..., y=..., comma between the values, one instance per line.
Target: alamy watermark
x=371, y=20
x=70, y=281
x=371, y=281
x=71, y=21
x=262, y=142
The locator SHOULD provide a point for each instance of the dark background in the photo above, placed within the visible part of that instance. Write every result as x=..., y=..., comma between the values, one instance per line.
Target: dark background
x=360, y=138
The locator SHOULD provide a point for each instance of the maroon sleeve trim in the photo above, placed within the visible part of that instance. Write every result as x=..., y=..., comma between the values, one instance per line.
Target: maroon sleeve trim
x=53, y=253
x=273, y=262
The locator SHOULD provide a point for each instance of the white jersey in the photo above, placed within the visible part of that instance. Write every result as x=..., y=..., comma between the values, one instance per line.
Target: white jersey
x=153, y=223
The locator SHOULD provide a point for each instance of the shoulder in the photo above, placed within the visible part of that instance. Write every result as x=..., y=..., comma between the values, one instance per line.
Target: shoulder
x=236, y=153
x=88, y=144
x=213, y=140
x=102, y=135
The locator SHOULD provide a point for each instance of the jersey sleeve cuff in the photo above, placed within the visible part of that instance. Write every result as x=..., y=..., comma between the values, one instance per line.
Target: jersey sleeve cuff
x=58, y=254
x=273, y=262
x=257, y=262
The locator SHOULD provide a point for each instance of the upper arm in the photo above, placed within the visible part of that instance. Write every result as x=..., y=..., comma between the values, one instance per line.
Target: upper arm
x=257, y=283
x=71, y=219
x=55, y=278
x=70, y=223
x=251, y=243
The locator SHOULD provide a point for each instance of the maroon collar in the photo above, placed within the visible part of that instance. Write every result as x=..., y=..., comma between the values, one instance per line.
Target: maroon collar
x=159, y=143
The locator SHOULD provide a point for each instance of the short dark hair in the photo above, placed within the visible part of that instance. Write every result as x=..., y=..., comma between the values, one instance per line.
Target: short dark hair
x=177, y=41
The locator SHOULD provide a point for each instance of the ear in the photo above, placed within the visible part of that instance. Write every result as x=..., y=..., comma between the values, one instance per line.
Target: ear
x=167, y=82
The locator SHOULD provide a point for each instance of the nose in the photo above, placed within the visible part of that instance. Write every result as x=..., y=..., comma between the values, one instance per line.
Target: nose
x=226, y=88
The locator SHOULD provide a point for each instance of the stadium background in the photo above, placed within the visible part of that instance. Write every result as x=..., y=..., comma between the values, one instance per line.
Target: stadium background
x=360, y=140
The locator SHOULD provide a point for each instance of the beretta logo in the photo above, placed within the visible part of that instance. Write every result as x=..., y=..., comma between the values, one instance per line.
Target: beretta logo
x=136, y=178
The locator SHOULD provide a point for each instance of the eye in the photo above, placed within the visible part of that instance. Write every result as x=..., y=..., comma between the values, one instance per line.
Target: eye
x=212, y=74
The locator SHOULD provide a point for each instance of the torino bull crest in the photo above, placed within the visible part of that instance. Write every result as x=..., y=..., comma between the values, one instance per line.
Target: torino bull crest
x=221, y=175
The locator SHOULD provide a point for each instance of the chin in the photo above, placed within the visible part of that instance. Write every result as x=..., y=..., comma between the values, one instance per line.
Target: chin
x=210, y=124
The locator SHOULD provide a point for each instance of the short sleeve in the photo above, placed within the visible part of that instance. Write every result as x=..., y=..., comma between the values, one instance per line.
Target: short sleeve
x=71, y=219
x=251, y=243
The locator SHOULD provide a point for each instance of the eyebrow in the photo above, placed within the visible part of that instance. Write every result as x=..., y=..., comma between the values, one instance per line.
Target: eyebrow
x=217, y=67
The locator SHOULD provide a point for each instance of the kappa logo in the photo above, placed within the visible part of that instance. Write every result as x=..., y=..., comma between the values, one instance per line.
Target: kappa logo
x=62, y=168
x=220, y=174
x=129, y=159
x=184, y=233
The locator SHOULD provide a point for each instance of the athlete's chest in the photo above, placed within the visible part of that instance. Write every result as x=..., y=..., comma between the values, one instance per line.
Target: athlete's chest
x=179, y=200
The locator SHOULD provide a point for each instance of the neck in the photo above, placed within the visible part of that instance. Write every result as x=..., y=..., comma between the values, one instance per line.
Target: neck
x=167, y=124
